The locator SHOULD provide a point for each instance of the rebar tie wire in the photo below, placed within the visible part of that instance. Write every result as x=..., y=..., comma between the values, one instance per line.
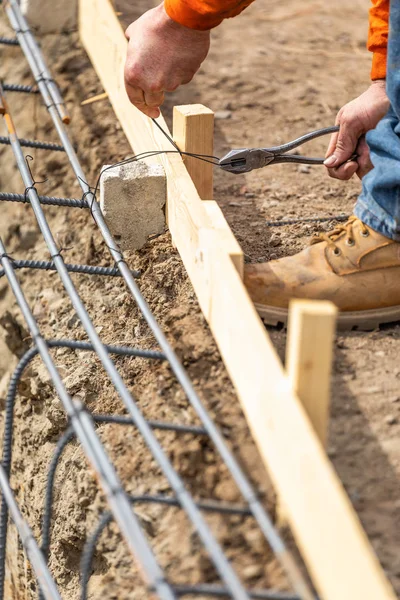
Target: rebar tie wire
x=83, y=423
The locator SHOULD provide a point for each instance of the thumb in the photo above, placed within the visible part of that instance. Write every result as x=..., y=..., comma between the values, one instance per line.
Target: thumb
x=346, y=144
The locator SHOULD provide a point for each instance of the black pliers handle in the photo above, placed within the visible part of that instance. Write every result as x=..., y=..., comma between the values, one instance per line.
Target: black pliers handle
x=248, y=159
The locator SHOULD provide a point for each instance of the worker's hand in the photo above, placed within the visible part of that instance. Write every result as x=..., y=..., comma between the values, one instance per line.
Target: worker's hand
x=162, y=55
x=355, y=119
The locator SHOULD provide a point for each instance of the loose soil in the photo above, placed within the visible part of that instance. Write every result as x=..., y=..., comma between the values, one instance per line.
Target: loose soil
x=276, y=72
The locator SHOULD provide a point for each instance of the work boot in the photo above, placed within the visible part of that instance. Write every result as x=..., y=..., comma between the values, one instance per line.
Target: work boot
x=355, y=267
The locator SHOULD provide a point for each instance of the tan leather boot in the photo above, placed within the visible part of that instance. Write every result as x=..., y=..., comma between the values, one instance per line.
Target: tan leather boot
x=355, y=267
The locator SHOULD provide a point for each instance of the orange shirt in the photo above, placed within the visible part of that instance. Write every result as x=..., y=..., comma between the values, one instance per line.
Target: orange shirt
x=206, y=14
x=378, y=37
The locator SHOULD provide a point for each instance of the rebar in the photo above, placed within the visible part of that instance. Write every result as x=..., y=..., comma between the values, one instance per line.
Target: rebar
x=46, y=200
x=9, y=41
x=18, y=87
x=283, y=222
x=83, y=424
x=264, y=520
x=34, y=144
x=45, y=580
x=45, y=265
x=35, y=56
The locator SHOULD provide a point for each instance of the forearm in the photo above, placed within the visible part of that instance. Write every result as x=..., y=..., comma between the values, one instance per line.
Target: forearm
x=203, y=15
x=378, y=37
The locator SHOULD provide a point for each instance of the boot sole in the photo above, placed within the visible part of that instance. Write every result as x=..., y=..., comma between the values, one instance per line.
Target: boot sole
x=363, y=320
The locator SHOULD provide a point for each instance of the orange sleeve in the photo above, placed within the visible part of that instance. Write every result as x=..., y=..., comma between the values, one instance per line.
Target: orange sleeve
x=203, y=14
x=378, y=37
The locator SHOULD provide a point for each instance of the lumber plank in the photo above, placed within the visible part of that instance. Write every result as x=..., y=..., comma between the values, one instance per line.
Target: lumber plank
x=327, y=530
x=309, y=354
x=193, y=131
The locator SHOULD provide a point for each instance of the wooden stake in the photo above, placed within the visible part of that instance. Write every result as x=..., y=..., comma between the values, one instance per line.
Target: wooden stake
x=309, y=352
x=193, y=131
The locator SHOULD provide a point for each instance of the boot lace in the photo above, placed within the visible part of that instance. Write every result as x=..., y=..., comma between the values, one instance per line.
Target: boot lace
x=332, y=236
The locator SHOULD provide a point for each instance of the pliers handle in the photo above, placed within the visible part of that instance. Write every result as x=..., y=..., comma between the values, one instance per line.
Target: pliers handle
x=244, y=160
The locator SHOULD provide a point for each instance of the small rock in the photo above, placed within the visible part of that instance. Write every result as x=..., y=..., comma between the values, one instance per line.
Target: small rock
x=235, y=204
x=275, y=240
x=391, y=420
x=223, y=114
x=270, y=203
x=380, y=353
x=395, y=399
x=253, y=571
x=249, y=195
x=304, y=169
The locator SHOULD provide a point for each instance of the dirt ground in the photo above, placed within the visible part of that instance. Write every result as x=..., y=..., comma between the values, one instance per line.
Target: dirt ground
x=294, y=67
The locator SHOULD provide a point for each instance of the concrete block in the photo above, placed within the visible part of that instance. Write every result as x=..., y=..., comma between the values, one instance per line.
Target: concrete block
x=132, y=199
x=51, y=16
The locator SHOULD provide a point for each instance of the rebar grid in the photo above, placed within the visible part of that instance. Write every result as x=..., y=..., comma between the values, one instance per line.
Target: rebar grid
x=82, y=424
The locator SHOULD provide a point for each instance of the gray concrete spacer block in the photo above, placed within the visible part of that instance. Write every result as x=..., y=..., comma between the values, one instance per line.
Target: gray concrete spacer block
x=132, y=199
x=51, y=16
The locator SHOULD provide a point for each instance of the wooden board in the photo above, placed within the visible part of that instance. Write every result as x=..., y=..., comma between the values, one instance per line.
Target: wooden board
x=327, y=530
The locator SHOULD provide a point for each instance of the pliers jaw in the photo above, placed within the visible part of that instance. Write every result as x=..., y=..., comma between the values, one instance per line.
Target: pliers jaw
x=244, y=160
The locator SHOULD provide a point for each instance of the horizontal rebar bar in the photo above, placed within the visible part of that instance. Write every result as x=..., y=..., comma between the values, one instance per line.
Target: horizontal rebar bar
x=206, y=505
x=34, y=144
x=161, y=425
x=18, y=87
x=47, y=200
x=306, y=220
x=45, y=265
x=215, y=591
x=9, y=41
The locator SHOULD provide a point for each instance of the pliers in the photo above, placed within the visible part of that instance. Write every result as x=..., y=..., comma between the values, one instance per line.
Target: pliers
x=244, y=160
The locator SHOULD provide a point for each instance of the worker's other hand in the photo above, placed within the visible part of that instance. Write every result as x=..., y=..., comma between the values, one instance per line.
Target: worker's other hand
x=355, y=119
x=162, y=55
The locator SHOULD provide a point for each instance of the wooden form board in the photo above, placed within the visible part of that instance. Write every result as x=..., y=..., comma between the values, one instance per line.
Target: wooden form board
x=327, y=530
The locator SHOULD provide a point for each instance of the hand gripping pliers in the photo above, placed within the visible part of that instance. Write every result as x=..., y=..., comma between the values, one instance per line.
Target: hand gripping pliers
x=244, y=160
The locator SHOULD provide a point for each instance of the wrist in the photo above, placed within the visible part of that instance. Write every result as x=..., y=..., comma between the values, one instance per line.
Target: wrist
x=169, y=23
x=187, y=16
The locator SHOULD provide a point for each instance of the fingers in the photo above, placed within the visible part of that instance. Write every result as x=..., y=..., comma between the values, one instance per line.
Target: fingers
x=344, y=172
x=346, y=142
x=154, y=99
x=364, y=160
x=147, y=103
x=361, y=166
x=332, y=144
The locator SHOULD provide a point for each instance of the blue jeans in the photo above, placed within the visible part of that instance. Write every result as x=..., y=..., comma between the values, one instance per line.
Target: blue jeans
x=379, y=203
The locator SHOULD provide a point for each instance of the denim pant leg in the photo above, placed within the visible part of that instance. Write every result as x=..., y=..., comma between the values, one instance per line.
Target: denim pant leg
x=379, y=203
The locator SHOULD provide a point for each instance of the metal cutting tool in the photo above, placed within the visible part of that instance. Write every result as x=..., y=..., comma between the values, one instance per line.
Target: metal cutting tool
x=244, y=160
